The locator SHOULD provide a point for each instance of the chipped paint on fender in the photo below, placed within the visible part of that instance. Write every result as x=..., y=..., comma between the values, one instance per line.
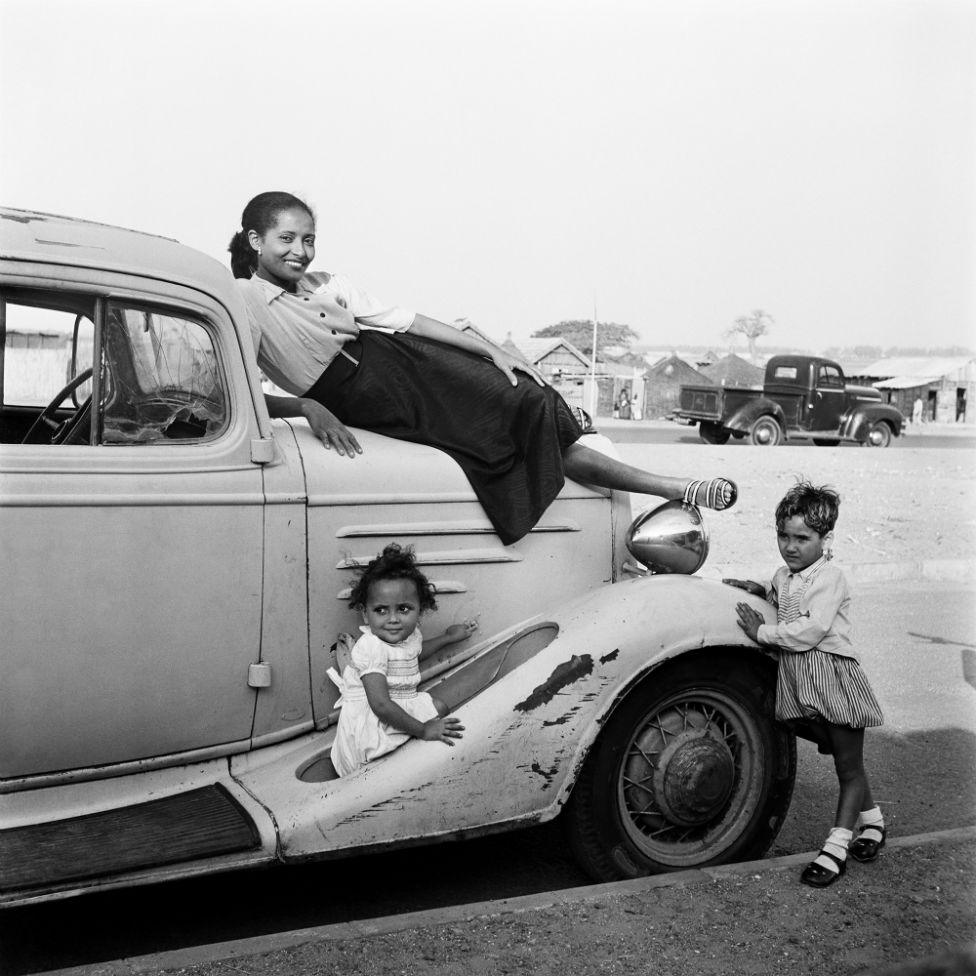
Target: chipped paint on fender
x=567, y=673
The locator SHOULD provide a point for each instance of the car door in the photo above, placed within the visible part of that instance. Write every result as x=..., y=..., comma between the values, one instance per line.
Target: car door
x=131, y=524
x=827, y=399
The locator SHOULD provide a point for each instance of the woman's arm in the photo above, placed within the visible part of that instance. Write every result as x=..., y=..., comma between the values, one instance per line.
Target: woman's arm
x=325, y=425
x=386, y=710
x=430, y=328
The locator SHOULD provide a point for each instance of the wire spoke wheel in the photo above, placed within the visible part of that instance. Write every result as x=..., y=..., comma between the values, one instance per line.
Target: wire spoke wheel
x=684, y=782
x=690, y=770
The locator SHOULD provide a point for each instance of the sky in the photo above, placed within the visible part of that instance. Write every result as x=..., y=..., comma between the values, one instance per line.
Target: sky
x=673, y=165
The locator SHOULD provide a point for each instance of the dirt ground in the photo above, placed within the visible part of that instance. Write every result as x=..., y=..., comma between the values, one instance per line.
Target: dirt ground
x=897, y=505
x=913, y=903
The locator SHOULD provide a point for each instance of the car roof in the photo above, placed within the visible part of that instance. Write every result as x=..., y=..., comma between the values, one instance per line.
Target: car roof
x=29, y=235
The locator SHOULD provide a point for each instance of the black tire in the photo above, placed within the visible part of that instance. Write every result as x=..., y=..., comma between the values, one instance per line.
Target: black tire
x=879, y=435
x=713, y=433
x=765, y=431
x=717, y=789
x=823, y=442
x=738, y=435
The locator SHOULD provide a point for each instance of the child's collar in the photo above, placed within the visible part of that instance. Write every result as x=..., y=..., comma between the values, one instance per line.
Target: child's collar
x=805, y=574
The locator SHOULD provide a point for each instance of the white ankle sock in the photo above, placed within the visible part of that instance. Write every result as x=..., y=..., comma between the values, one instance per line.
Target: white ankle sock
x=836, y=844
x=870, y=819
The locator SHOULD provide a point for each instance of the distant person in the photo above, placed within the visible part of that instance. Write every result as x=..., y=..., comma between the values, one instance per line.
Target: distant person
x=917, y=409
x=380, y=707
x=623, y=406
x=635, y=408
x=821, y=690
x=347, y=358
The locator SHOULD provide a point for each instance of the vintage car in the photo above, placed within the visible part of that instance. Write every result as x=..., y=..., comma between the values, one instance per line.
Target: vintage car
x=176, y=568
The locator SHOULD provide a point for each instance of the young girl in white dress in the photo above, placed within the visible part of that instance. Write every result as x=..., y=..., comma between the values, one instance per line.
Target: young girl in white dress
x=821, y=690
x=380, y=707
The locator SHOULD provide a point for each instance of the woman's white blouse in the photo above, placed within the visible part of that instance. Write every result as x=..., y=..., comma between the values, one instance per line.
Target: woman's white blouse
x=296, y=335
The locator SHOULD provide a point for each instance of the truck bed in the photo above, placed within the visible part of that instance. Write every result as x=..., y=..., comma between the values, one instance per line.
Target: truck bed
x=707, y=402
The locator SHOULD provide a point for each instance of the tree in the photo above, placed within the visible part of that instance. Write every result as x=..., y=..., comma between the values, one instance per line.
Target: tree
x=752, y=326
x=580, y=333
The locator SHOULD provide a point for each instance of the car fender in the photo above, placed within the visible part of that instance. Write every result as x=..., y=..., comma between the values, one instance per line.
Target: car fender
x=749, y=413
x=526, y=734
x=856, y=424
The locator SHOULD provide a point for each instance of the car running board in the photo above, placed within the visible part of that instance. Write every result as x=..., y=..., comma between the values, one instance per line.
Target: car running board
x=198, y=823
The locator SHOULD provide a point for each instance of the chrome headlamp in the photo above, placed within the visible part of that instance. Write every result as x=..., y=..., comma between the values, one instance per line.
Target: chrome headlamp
x=671, y=538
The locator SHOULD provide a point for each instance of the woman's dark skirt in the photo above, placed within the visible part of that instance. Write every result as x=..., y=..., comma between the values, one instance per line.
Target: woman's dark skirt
x=508, y=440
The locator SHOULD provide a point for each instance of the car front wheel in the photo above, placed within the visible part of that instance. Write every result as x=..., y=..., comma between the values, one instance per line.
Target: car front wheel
x=879, y=435
x=765, y=432
x=691, y=770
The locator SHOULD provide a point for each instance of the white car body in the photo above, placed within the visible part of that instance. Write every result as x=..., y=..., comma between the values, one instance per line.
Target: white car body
x=176, y=569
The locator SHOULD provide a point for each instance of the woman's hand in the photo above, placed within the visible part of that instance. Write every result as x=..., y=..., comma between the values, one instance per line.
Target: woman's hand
x=444, y=730
x=327, y=427
x=749, y=620
x=508, y=364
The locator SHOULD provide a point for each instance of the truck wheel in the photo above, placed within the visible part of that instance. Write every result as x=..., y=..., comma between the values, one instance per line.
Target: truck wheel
x=713, y=433
x=879, y=435
x=691, y=770
x=765, y=432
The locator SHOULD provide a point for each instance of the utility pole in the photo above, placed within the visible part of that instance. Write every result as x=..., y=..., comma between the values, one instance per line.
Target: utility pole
x=594, y=393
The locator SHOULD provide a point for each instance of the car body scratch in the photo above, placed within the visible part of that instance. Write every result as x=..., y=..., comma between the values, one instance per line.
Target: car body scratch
x=578, y=666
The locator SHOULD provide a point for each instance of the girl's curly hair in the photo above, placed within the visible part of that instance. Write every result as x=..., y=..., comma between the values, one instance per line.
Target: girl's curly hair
x=394, y=562
x=818, y=507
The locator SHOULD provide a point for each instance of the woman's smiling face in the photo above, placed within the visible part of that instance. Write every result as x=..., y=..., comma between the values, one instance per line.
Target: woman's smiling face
x=286, y=250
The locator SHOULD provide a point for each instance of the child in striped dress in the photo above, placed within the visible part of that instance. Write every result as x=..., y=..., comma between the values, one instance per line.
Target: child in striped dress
x=821, y=690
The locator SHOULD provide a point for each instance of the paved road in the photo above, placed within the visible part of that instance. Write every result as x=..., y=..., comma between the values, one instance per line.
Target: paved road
x=623, y=432
x=918, y=644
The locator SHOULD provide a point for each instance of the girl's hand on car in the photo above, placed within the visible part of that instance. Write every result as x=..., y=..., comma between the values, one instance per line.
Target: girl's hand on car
x=327, y=427
x=460, y=632
x=749, y=620
x=754, y=588
x=444, y=730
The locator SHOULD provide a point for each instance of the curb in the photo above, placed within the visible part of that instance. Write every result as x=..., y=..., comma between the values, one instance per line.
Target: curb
x=934, y=570
x=459, y=914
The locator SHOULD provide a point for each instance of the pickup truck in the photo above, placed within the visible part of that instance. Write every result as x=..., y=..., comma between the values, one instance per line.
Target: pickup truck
x=802, y=396
x=176, y=568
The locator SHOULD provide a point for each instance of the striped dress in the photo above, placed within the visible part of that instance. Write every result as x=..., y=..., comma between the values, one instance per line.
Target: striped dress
x=819, y=677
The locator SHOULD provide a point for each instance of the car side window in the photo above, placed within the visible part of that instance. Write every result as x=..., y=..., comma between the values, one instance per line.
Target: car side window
x=162, y=379
x=83, y=370
x=829, y=377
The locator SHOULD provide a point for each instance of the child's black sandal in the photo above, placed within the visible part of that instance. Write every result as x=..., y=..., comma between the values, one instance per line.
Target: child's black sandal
x=865, y=849
x=817, y=876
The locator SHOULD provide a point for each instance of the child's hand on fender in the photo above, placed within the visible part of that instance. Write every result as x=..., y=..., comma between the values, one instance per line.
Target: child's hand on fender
x=754, y=588
x=443, y=730
x=749, y=620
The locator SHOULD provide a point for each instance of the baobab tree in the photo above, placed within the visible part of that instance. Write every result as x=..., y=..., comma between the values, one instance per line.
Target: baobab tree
x=752, y=326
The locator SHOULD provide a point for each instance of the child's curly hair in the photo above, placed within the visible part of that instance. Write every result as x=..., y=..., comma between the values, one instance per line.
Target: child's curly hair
x=818, y=507
x=394, y=562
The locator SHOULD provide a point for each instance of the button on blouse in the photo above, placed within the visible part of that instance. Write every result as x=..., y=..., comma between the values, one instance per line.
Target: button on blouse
x=297, y=334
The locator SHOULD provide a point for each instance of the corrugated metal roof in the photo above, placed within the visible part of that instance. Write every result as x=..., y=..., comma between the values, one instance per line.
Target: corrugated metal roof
x=919, y=366
x=537, y=349
x=905, y=382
